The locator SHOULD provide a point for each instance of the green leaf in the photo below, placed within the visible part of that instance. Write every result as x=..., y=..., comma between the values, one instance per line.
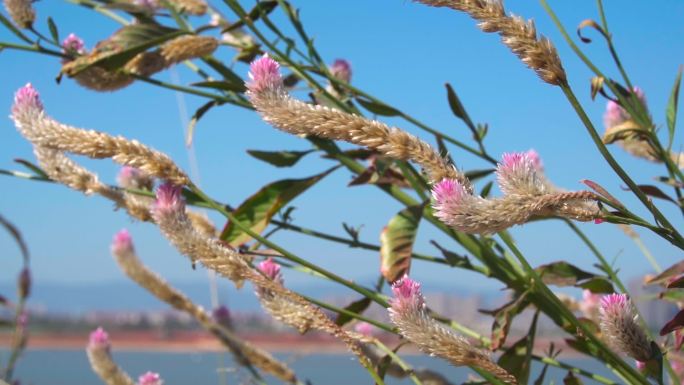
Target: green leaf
x=474, y=175
x=196, y=117
x=54, y=32
x=125, y=44
x=396, y=242
x=223, y=85
x=256, y=212
x=228, y=75
x=458, y=109
x=35, y=169
x=671, y=111
x=279, y=158
x=562, y=274
x=487, y=189
x=518, y=358
x=262, y=8
x=597, y=285
x=503, y=317
x=378, y=108
x=357, y=307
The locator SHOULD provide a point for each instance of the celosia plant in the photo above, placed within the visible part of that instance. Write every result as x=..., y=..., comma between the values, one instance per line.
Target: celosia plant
x=151, y=187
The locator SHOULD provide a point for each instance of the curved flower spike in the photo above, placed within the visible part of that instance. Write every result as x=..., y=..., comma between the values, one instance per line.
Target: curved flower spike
x=409, y=314
x=620, y=327
x=527, y=192
x=269, y=97
x=101, y=361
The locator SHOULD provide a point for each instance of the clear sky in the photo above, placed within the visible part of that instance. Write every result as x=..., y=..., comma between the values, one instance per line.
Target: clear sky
x=401, y=52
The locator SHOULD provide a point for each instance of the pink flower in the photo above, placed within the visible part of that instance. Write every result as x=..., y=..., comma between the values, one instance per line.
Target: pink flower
x=131, y=177
x=407, y=296
x=26, y=99
x=73, y=45
x=590, y=303
x=521, y=173
x=341, y=69
x=641, y=366
x=598, y=221
x=169, y=199
x=150, y=378
x=265, y=75
x=616, y=115
x=271, y=269
x=123, y=243
x=619, y=325
x=364, y=328
x=99, y=339
x=448, y=195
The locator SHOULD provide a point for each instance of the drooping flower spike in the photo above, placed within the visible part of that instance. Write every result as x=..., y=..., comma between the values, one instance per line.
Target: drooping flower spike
x=407, y=311
x=269, y=97
x=527, y=194
x=619, y=324
x=99, y=355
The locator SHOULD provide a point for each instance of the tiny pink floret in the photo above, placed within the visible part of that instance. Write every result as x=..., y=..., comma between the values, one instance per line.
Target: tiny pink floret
x=364, y=328
x=99, y=338
x=127, y=175
x=264, y=74
x=73, y=44
x=169, y=198
x=122, y=241
x=406, y=288
x=448, y=190
x=270, y=268
x=598, y=221
x=641, y=366
x=615, y=304
x=341, y=69
x=150, y=378
x=26, y=98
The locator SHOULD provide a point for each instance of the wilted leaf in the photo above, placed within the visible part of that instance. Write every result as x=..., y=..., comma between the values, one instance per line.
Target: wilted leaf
x=627, y=130
x=596, y=86
x=677, y=322
x=589, y=23
x=503, y=317
x=378, y=108
x=357, y=307
x=602, y=192
x=518, y=358
x=671, y=111
x=654, y=192
x=257, y=211
x=396, y=242
x=671, y=272
x=279, y=158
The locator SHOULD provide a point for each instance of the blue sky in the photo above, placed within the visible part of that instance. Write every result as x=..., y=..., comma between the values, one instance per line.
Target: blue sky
x=401, y=52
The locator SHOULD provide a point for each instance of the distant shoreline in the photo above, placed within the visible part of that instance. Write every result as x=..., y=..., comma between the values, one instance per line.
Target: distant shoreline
x=198, y=341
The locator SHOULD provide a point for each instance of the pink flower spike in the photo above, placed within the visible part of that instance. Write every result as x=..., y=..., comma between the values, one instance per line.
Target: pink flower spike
x=364, y=328
x=150, y=378
x=99, y=338
x=169, y=199
x=341, y=69
x=407, y=295
x=598, y=221
x=535, y=159
x=447, y=191
x=641, y=366
x=26, y=99
x=270, y=269
x=265, y=75
x=73, y=45
x=122, y=242
x=615, y=304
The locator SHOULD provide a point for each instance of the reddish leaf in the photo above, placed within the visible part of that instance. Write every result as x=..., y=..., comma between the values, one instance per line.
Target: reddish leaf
x=602, y=192
x=396, y=243
x=669, y=273
x=675, y=323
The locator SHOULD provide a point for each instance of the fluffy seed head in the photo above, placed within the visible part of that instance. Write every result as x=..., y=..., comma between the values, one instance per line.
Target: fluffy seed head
x=615, y=115
x=122, y=243
x=521, y=173
x=150, y=378
x=448, y=195
x=407, y=295
x=341, y=69
x=21, y=12
x=73, y=45
x=99, y=339
x=265, y=75
x=26, y=99
x=271, y=269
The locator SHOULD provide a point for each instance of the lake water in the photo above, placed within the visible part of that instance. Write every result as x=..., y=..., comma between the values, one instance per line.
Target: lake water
x=63, y=367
